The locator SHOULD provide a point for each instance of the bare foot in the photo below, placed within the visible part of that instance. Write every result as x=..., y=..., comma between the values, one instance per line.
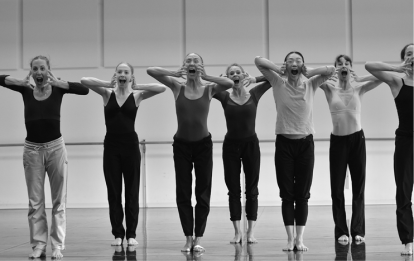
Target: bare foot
x=197, y=247
x=344, y=238
x=56, y=254
x=359, y=239
x=117, y=242
x=37, y=252
x=299, y=245
x=408, y=250
x=132, y=242
x=236, y=239
x=188, y=245
x=250, y=238
x=290, y=245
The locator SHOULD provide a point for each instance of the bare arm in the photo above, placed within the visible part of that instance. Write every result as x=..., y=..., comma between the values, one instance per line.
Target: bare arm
x=370, y=86
x=145, y=91
x=381, y=71
x=270, y=70
x=99, y=86
x=167, y=77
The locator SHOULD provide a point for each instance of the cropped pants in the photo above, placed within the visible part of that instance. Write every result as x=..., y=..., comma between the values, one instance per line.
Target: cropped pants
x=39, y=159
x=200, y=155
x=236, y=152
x=348, y=150
x=122, y=158
x=294, y=160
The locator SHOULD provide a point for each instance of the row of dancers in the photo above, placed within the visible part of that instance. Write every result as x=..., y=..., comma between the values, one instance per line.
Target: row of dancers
x=293, y=85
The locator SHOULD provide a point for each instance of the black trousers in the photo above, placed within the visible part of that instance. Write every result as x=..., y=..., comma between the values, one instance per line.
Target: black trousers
x=122, y=158
x=348, y=150
x=294, y=160
x=403, y=172
x=236, y=152
x=200, y=155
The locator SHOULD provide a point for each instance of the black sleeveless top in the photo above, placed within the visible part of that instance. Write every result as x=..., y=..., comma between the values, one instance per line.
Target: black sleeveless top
x=241, y=119
x=192, y=116
x=120, y=119
x=404, y=104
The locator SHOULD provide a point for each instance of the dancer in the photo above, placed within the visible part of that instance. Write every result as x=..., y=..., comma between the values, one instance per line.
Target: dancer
x=192, y=142
x=347, y=145
x=44, y=151
x=122, y=156
x=241, y=145
x=294, y=157
x=402, y=91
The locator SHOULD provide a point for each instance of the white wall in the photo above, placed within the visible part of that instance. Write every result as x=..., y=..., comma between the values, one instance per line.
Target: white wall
x=88, y=38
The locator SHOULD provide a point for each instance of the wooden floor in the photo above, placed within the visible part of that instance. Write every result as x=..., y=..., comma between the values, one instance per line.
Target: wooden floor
x=160, y=237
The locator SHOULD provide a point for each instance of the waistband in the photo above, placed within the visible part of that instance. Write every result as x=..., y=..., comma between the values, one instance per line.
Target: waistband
x=284, y=139
x=208, y=138
x=357, y=133
x=247, y=139
x=129, y=136
x=43, y=146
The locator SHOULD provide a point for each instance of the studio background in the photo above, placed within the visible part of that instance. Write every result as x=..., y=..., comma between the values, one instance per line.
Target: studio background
x=89, y=38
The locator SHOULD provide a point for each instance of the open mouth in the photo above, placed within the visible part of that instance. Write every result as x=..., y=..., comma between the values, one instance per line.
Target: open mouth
x=236, y=81
x=39, y=80
x=294, y=71
x=344, y=73
x=122, y=81
x=191, y=70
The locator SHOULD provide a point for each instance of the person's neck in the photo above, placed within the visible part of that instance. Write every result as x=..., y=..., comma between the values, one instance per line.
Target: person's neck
x=238, y=92
x=294, y=80
x=344, y=84
x=194, y=83
x=122, y=90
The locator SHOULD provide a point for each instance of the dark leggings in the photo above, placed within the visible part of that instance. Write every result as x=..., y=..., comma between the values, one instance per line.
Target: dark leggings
x=199, y=153
x=122, y=158
x=403, y=172
x=294, y=160
x=236, y=152
x=348, y=150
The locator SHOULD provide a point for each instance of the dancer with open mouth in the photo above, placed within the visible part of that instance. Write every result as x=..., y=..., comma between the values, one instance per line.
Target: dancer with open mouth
x=294, y=156
x=402, y=91
x=241, y=145
x=347, y=145
x=192, y=142
x=122, y=157
x=44, y=151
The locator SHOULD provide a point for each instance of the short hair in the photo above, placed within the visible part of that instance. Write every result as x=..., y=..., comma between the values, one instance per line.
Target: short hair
x=129, y=65
x=403, y=51
x=195, y=54
x=231, y=65
x=41, y=57
x=296, y=52
x=346, y=57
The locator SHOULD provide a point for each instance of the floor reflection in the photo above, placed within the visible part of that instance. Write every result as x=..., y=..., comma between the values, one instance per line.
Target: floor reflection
x=350, y=251
x=121, y=254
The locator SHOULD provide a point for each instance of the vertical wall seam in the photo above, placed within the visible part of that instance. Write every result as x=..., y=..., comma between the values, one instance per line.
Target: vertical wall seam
x=20, y=61
x=266, y=28
x=184, y=32
x=348, y=28
x=101, y=31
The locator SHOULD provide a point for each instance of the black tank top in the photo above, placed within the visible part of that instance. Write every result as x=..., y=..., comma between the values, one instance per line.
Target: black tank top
x=404, y=104
x=120, y=119
x=192, y=116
